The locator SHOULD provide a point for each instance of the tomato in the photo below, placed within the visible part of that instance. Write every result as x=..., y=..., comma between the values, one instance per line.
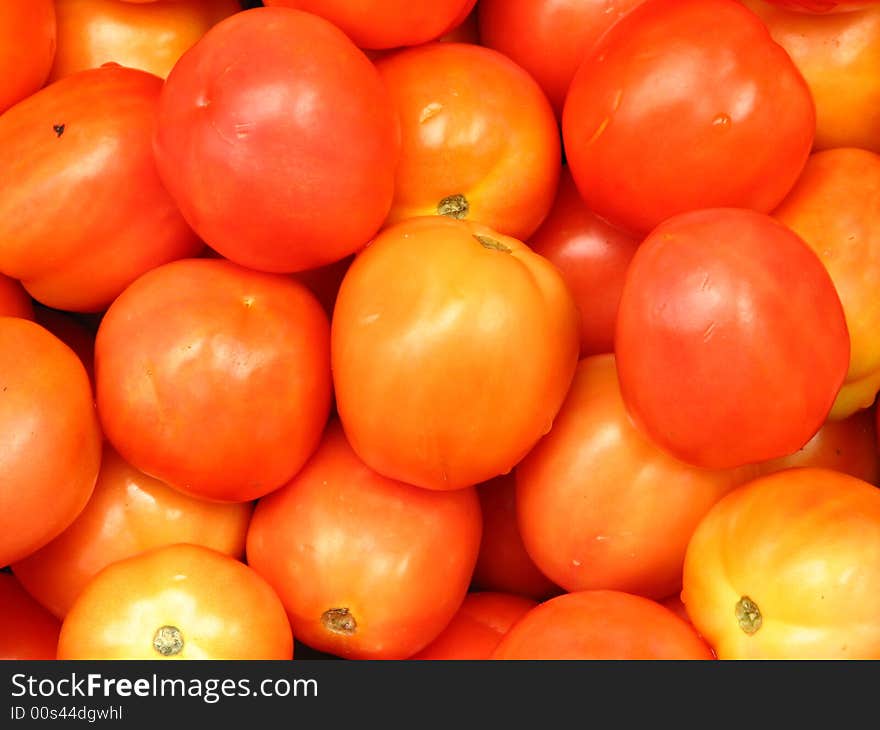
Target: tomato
x=823, y=6
x=214, y=378
x=838, y=55
x=87, y=214
x=50, y=435
x=128, y=513
x=73, y=332
x=593, y=257
x=835, y=208
x=479, y=139
x=600, y=506
x=601, y=625
x=14, y=300
x=478, y=627
x=278, y=141
x=176, y=602
x=503, y=564
x=731, y=340
x=729, y=118
x=387, y=23
x=788, y=567
x=149, y=37
x=548, y=38
x=440, y=327
x=367, y=567
x=30, y=631
x=27, y=47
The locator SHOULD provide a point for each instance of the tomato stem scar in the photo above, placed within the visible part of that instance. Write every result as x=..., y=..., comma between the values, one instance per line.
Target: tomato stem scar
x=491, y=243
x=339, y=621
x=454, y=206
x=748, y=615
x=168, y=640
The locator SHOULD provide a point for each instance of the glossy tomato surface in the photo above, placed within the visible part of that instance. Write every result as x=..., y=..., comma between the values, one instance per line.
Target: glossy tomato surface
x=29, y=630
x=27, y=47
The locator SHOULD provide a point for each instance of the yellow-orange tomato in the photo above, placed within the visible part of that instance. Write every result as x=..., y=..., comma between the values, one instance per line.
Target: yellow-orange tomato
x=788, y=567
x=838, y=55
x=176, y=602
x=835, y=208
x=128, y=513
x=27, y=47
x=452, y=350
x=479, y=139
x=14, y=300
x=28, y=631
x=150, y=37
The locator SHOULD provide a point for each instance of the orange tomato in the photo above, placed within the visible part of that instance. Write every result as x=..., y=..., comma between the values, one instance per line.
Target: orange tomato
x=479, y=139
x=27, y=47
x=441, y=326
x=176, y=602
x=150, y=37
x=788, y=567
x=29, y=630
x=51, y=441
x=14, y=300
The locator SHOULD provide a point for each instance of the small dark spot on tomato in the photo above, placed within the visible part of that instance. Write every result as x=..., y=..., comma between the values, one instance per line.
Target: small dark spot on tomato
x=59, y=129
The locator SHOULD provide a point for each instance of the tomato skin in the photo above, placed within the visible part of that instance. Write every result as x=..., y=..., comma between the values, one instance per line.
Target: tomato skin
x=14, y=300
x=473, y=124
x=147, y=37
x=731, y=340
x=86, y=138
x=341, y=542
x=600, y=625
x=803, y=545
x=387, y=23
x=503, y=564
x=524, y=30
x=52, y=442
x=270, y=189
x=593, y=257
x=199, y=337
x=35, y=632
x=823, y=6
x=478, y=627
x=221, y=607
x=27, y=40
x=835, y=208
x=731, y=118
x=435, y=333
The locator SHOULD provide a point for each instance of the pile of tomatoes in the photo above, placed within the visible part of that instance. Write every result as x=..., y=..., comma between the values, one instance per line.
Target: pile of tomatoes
x=439, y=329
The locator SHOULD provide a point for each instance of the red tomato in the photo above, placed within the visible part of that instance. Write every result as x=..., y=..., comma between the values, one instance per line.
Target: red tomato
x=14, y=300
x=480, y=141
x=367, y=567
x=277, y=139
x=27, y=47
x=87, y=214
x=601, y=625
x=440, y=327
x=823, y=6
x=731, y=340
x=788, y=567
x=51, y=441
x=593, y=257
x=387, y=23
x=683, y=105
x=478, y=627
x=548, y=38
x=29, y=630
x=214, y=378
x=503, y=564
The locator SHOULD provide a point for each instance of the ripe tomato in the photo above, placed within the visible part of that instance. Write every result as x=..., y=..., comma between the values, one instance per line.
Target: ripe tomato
x=788, y=567
x=149, y=37
x=503, y=564
x=440, y=327
x=176, y=602
x=838, y=55
x=478, y=627
x=85, y=138
x=731, y=340
x=128, y=513
x=214, y=378
x=29, y=630
x=729, y=118
x=593, y=257
x=51, y=441
x=14, y=300
x=367, y=568
x=600, y=506
x=835, y=208
x=479, y=138
x=27, y=47
x=278, y=141
x=77, y=334
x=823, y=6
x=548, y=38
x=387, y=23
x=601, y=625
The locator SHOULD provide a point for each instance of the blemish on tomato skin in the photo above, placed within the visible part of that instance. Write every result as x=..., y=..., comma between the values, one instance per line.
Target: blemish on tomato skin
x=58, y=129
